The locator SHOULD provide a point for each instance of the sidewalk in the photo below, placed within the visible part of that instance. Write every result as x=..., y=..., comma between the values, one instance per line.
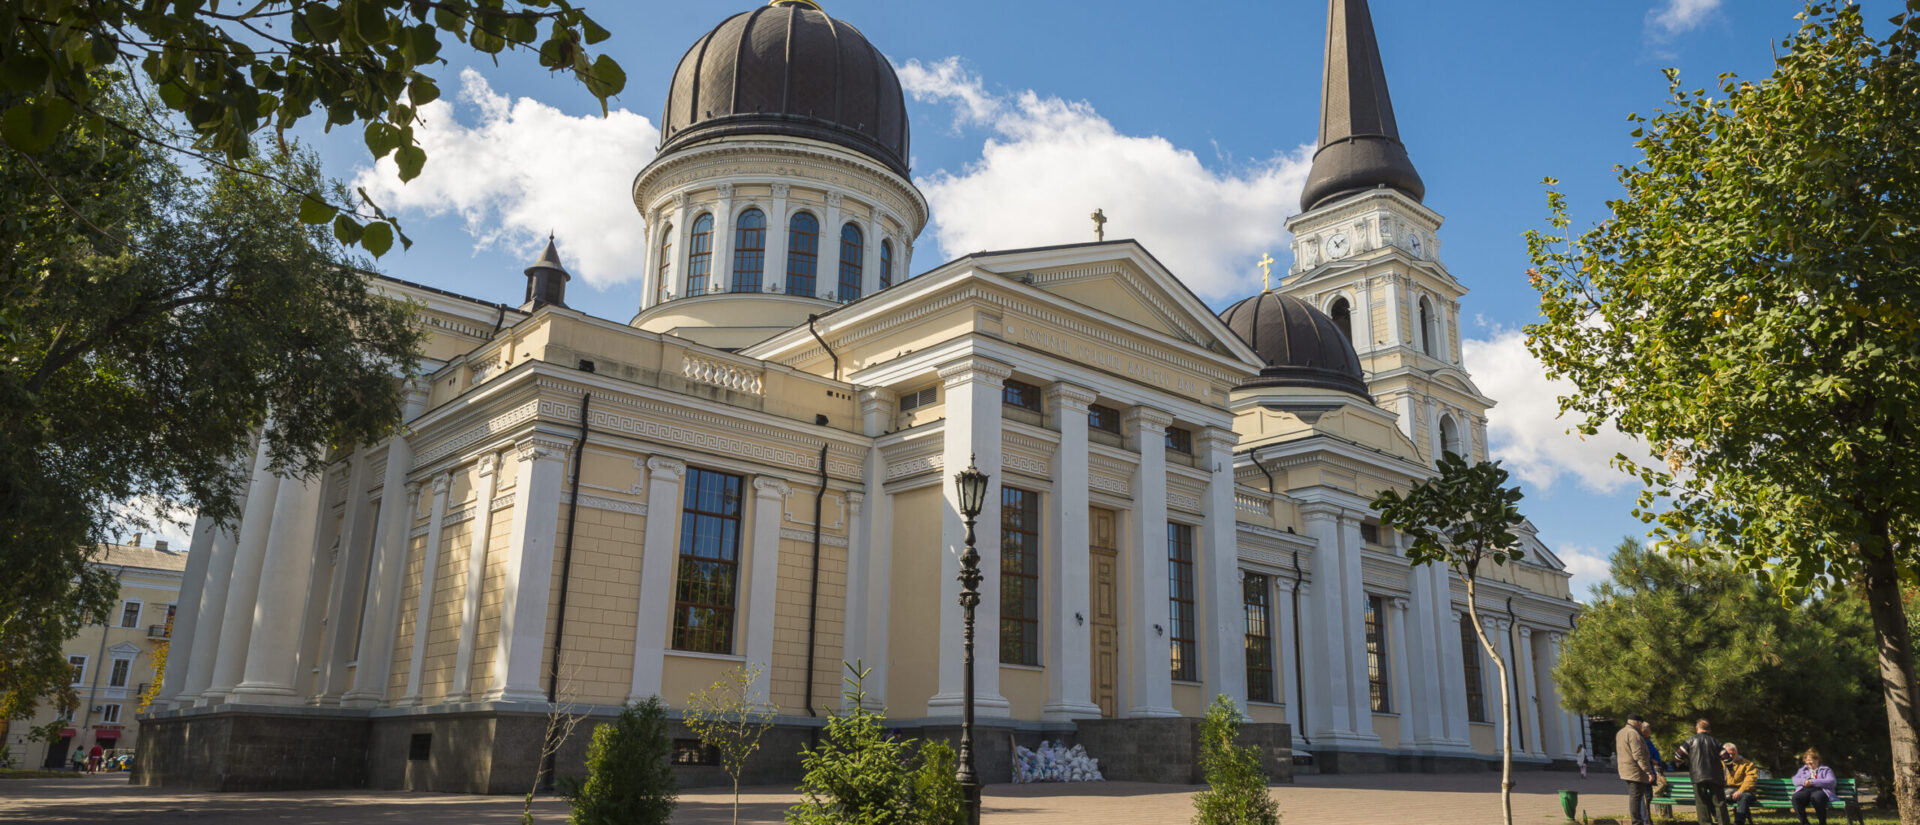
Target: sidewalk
x=1441, y=799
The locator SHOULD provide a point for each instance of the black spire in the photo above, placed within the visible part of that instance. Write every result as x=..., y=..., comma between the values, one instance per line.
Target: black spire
x=1360, y=146
x=547, y=279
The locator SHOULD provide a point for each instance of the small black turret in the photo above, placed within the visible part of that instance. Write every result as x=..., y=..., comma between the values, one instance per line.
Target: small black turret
x=547, y=280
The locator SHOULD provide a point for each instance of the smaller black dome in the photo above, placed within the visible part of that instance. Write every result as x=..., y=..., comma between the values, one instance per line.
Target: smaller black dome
x=1301, y=345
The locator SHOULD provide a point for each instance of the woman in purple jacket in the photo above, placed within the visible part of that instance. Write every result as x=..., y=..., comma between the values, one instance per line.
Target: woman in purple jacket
x=1813, y=786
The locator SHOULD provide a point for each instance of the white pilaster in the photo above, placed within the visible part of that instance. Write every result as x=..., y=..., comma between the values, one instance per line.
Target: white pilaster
x=282, y=595
x=1399, y=677
x=828, y=279
x=774, y=272
x=186, y=617
x=657, y=555
x=650, y=272
x=476, y=572
x=769, y=500
x=1223, y=627
x=1149, y=656
x=1066, y=577
x=721, y=273
x=1287, y=649
x=350, y=572
x=972, y=435
x=1453, y=677
x=1499, y=631
x=379, y=617
x=852, y=640
x=682, y=244
x=243, y=590
x=1529, y=700
x=528, y=582
x=870, y=259
x=870, y=559
x=423, y=600
x=1553, y=719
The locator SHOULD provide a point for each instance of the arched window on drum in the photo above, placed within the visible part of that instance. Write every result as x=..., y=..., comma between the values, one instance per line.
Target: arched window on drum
x=853, y=251
x=803, y=253
x=749, y=251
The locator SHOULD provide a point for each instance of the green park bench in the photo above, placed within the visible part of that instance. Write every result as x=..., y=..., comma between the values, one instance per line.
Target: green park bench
x=1774, y=794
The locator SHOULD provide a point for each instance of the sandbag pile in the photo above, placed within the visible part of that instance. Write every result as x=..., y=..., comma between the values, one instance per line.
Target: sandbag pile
x=1053, y=763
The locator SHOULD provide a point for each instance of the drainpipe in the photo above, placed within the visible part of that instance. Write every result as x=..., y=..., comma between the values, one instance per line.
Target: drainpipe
x=830, y=352
x=499, y=319
x=813, y=600
x=566, y=578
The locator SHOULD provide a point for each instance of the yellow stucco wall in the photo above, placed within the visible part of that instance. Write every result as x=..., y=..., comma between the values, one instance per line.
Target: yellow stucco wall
x=913, y=663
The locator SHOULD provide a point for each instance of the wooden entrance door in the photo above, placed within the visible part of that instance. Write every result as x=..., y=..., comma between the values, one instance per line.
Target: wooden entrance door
x=1103, y=557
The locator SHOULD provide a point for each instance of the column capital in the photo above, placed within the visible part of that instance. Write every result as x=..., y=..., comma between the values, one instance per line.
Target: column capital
x=1314, y=512
x=877, y=401
x=1068, y=398
x=1146, y=419
x=1214, y=439
x=974, y=369
x=679, y=200
x=1526, y=632
x=1398, y=603
x=1555, y=637
x=834, y=199
x=780, y=191
x=541, y=449
x=414, y=489
x=660, y=467
x=1284, y=583
x=765, y=487
x=487, y=464
x=725, y=190
x=442, y=483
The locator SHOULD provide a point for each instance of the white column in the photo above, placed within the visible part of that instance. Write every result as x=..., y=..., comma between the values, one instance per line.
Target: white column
x=972, y=435
x=423, y=601
x=1066, y=577
x=1536, y=733
x=528, y=582
x=829, y=278
x=721, y=272
x=682, y=240
x=284, y=578
x=351, y=571
x=1285, y=648
x=763, y=577
x=870, y=259
x=1356, y=626
x=650, y=273
x=243, y=590
x=657, y=555
x=213, y=605
x=379, y=616
x=1223, y=627
x=476, y=572
x=1149, y=658
x=1498, y=631
x=774, y=271
x=1453, y=666
x=851, y=640
x=192, y=584
x=870, y=560
x=1427, y=672
x=1400, y=677
x=1325, y=650
x=1553, y=723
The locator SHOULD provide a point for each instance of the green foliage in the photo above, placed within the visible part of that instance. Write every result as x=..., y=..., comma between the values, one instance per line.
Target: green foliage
x=231, y=72
x=1461, y=517
x=629, y=776
x=726, y=717
x=858, y=775
x=1676, y=640
x=149, y=318
x=936, y=785
x=1236, y=791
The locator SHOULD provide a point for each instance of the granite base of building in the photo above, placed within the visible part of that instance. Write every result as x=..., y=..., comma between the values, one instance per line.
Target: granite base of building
x=488, y=749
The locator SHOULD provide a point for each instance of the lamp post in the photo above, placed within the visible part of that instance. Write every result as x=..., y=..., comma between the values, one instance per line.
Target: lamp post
x=972, y=486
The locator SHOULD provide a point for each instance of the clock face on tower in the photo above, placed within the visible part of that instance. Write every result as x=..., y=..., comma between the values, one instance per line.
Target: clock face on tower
x=1337, y=246
x=1413, y=243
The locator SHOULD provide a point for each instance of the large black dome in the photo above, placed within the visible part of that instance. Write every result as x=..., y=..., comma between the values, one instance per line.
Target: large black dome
x=1301, y=345
x=788, y=69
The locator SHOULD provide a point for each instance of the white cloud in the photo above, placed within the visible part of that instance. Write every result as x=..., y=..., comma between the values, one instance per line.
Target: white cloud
x=1525, y=430
x=1049, y=163
x=1588, y=566
x=1674, y=17
x=525, y=168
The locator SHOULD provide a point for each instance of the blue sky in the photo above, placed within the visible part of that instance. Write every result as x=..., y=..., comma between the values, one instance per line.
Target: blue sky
x=1188, y=123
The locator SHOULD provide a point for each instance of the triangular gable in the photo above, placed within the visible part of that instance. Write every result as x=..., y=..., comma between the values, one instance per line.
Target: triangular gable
x=123, y=649
x=1121, y=279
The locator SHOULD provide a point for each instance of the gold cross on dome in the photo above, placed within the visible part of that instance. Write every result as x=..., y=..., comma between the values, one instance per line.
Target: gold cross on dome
x=1266, y=272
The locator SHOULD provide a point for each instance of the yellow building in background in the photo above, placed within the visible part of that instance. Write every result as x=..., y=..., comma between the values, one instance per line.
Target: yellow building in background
x=113, y=663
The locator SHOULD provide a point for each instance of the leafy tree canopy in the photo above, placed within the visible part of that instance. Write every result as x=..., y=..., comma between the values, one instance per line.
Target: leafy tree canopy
x=1677, y=640
x=230, y=71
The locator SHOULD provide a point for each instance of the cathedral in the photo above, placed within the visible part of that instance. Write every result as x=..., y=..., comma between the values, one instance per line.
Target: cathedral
x=757, y=470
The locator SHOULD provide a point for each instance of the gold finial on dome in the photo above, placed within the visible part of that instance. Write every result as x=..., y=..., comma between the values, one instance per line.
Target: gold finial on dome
x=1266, y=272
x=808, y=3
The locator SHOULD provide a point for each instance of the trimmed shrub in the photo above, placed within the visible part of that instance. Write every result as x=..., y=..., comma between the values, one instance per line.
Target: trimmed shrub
x=629, y=780
x=1236, y=791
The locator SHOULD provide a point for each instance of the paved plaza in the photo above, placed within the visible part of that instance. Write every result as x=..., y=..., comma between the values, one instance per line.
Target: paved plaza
x=1447, y=799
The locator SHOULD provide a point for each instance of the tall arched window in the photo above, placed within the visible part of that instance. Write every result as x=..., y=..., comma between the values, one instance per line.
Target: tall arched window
x=886, y=264
x=666, y=264
x=1449, y=436
x=1342, y=317
x=803, y=253
x=1427, y=332
x=749, y=250
x=853, y=251
x=700, y=255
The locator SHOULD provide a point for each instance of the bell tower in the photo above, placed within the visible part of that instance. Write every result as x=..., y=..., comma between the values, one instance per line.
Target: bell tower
x=1366, y=251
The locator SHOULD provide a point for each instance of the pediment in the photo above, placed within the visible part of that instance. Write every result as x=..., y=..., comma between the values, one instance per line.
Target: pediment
x=123, y=648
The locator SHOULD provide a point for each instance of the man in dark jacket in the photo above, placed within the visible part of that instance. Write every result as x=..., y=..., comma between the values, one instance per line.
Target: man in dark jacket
x=1702, y=753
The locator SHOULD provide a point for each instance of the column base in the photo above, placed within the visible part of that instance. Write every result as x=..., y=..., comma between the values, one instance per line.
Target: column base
x=1443, y=745
x=360, y=699
x=210, y=698
x=951, y=704
x=408, y=701
x=1152, y=712
x=514, y=695
x=1068, y=711
x=1346, y=737
x=263, y=694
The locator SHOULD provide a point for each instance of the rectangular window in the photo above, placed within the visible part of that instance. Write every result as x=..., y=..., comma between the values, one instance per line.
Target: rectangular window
x=1180, y=614
x=692, y=752
x=1370, y=532
x=79, y=664
x=709, y=562
x=419, y=747
x=1020, y=394
x=1377, y=688
x=1258, y=603
x=1470, y=663
x=1019, y=577
x=109, y=714
x=130, y=615
x=919, y=398
x=1179, y=440
x=121, y=669
x=1102, y=417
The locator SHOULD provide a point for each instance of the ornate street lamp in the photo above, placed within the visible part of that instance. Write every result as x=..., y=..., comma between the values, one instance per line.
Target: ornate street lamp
x=972, y=486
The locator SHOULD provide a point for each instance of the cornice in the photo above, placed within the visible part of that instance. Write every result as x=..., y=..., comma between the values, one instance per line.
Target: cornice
x=730, y=149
